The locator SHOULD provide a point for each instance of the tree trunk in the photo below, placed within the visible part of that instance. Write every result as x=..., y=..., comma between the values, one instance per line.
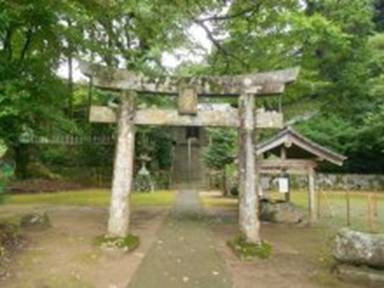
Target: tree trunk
x=118, y=224
x=248, y=206
x=70, y=86
x=224, y=184
x=70, y=74
x=21, y=159
x=90, y=85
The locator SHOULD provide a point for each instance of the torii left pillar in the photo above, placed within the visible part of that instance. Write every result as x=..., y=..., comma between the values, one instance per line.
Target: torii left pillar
x=248, y=200
x=118, y=224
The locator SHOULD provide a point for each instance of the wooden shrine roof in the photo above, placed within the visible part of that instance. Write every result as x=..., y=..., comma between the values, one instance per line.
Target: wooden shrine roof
x=299, y=147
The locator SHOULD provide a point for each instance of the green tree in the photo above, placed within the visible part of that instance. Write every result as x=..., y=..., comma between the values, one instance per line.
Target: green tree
x=221, y=151
x=341, y=64
x=31, y=95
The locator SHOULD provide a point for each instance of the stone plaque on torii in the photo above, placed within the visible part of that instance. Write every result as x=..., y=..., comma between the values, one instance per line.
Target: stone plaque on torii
x=246, y=118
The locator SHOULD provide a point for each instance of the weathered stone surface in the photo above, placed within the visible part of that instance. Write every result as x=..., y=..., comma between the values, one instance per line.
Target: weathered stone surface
x=280, y=212
x=248, y=209
x=335, y=181
x=205, y=116
x=364, y=276
x=359, y=248
x=187, y=101
x=35, y=220
x=350, y=181
x=266, y=83
x=119, y=212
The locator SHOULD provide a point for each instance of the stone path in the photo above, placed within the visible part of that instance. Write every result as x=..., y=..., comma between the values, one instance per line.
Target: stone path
x=184, y=254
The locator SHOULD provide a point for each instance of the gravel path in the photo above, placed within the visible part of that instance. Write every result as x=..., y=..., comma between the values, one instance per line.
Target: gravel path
x=185, y=254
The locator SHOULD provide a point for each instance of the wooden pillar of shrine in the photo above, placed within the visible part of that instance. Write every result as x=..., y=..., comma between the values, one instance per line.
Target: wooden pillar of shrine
x=312, y=195
x=249, y=224
x=283, y=156
x=119, y=213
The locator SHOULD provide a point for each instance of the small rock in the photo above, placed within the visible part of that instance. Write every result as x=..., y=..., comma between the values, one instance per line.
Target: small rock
x=35, y=220
x=215, y=273
x=185, y=279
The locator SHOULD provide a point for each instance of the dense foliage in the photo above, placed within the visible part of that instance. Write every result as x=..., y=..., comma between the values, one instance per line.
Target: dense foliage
x=339, y=97
x=338, y=100
x=222, y=148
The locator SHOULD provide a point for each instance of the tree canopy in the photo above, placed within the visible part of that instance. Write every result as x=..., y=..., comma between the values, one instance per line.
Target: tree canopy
x=338, y=100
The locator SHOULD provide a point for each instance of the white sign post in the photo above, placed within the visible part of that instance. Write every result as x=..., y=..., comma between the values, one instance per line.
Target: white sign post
x=283, y=185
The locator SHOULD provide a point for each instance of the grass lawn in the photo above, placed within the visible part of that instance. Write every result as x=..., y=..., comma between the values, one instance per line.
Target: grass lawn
x=215, y=199
x=92, y=197
x=332, y=207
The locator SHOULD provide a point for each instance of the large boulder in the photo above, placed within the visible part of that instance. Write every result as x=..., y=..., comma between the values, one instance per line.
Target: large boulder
x=362, y=276
x=280, y=212
x=358, y=248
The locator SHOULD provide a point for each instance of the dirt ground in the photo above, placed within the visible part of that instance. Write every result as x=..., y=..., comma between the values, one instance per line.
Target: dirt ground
x=300, y=256
x=65, y=256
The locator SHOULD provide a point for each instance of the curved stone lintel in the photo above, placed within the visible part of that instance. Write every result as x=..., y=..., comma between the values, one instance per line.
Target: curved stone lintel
x=265, y=83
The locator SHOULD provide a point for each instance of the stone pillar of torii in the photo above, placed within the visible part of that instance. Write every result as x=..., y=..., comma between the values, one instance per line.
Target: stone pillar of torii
x=246, y=119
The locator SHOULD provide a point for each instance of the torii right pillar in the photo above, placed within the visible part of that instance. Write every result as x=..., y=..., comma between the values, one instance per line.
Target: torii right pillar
x=248, y=203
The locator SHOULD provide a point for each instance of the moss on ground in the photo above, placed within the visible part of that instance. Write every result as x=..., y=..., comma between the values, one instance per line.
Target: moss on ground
x=221, y=202
x=63, y=281
x=249, y=251
x=127, y=243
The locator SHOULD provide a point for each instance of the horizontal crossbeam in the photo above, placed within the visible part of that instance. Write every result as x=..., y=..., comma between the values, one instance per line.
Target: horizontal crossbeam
x=291, y=166
x=169, y=117
x=267, y=83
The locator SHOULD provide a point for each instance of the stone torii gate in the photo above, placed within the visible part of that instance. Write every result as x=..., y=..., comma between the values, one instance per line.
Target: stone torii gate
x=188, y=90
